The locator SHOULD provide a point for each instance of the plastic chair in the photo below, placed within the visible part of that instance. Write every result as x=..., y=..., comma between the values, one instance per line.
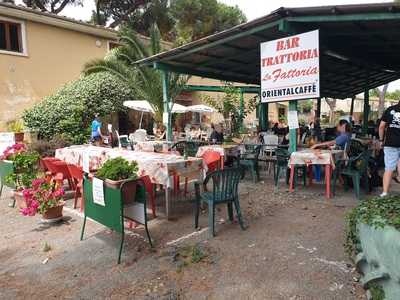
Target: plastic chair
x=212, y=159
x=249, y=160
x=59, y=167
x=225, y=191
x=282, y=165
x=356, y=169
x=77, y=176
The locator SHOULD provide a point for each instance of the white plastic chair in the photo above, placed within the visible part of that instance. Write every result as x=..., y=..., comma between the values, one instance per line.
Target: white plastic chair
x=270, y=142
x=138, y=136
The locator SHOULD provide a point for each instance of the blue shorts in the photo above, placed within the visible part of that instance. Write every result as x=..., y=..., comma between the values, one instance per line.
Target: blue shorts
x=392, y=157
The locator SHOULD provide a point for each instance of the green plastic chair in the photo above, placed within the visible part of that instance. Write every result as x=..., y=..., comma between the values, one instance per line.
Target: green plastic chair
x=225, y=191
x=190, y=146
x=6, y=168
x=249, y=160
x=282, y=166
x=356, y=169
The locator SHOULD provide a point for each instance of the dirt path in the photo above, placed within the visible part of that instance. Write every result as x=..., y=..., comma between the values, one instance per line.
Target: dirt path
x=292, y=249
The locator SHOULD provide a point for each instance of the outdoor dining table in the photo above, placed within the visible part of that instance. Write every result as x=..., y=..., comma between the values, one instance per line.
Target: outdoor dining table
x=224, y=150
x=160, y=167
x=309, y=157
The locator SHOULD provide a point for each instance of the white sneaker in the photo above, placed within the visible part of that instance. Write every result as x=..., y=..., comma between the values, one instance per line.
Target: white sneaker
x=383, y=195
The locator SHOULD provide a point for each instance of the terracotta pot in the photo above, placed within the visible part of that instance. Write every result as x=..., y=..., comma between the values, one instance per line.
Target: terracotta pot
x=19, y=200
x=19, y=137
x=129, y=189
x=54, y=213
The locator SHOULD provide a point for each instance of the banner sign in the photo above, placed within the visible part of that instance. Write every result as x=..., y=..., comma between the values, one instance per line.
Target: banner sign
x=290, y=68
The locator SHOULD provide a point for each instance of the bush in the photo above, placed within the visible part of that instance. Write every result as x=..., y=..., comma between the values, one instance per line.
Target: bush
x=72, y=108
x=47, y=148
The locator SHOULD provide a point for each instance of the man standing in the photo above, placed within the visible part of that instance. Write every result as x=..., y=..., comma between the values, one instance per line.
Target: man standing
x=96, y=135
x=391, y=140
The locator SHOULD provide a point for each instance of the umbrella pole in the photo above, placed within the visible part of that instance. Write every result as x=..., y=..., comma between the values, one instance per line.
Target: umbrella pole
x=141, y=119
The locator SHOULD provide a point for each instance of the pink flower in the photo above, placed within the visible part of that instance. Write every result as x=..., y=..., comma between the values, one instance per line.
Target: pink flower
x=58, y=193
x=38, y=182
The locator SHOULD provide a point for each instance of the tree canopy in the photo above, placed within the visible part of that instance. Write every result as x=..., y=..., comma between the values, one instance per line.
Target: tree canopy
x=52, y=6
x=198, y=18
x=178, y=20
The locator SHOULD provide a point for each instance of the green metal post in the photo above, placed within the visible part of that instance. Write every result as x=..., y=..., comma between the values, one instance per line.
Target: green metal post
x=318, y=112
x=263, y=116
x=241, y=113
x=166, y=102
x=293, y=132
x=352, y=108
x=366, y=112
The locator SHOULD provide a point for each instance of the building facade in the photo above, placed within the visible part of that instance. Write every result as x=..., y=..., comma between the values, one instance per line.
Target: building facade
x=40, y=52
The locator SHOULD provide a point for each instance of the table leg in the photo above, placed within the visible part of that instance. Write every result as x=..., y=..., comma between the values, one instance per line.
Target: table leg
x=222, y=162
x=291, y=179
x=167, y=202
x=328, y=169
x=310, y=174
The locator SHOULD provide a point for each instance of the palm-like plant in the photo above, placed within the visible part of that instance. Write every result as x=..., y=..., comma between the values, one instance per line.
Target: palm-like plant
x=145, y=82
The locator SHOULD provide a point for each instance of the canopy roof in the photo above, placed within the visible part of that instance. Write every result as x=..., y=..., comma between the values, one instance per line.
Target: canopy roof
x=359, y=47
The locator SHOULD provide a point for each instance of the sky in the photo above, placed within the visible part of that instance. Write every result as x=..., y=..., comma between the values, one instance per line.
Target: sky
x=252, y=9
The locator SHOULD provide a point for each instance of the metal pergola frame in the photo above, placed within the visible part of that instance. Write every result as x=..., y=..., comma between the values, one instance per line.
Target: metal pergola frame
x=359, y=46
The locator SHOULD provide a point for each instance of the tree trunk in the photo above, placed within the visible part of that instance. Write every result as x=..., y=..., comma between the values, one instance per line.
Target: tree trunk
x=381, y=95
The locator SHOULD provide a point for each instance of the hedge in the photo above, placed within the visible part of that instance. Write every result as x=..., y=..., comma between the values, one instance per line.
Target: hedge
x=72, y=108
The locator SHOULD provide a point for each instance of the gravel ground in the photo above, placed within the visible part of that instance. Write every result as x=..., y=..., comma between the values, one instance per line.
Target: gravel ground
x=292, y=249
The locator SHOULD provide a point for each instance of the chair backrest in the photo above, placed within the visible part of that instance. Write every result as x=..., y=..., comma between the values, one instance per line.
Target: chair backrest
x=225, y=183
x=61, y=167
x=211, y=159
x=282, y=156
x=354, y=148
x=47, y=161
x=252, y=151
x=138, y=136
x=360, y=162
x=270, y=140
x=191, y=147
x=75, y=171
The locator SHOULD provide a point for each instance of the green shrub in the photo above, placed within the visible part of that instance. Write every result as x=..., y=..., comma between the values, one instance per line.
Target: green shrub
x=118, y=169
x=72, y=108
x=47, y=148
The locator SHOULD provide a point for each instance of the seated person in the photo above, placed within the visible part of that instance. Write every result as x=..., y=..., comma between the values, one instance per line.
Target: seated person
x=217, y=136
x=344, y=130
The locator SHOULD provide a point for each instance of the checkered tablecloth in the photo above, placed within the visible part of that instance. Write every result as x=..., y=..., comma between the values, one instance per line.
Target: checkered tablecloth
x=160, y=167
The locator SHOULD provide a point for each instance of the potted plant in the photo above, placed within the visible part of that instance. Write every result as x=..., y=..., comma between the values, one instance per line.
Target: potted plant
x=17, y=127
x=116, y=171
x=45, y=198
x=25, y=169
x=373, y=238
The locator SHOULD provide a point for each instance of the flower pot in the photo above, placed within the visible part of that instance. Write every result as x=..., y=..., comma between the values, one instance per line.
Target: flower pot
x=53, y=214
x=19, y=199
x=129, y=189
x=19, y=137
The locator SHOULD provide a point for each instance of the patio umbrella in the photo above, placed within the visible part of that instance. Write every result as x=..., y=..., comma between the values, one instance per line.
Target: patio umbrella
x=200, y=108
x=140, y=105
x=178, y=108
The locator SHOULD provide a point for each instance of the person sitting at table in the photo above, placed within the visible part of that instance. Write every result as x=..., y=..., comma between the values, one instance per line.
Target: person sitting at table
x=217, y=135
x=344, y=130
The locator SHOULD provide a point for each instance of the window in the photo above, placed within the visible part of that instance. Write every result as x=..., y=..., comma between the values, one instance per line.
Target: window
x=112, y=45
x=11, y=36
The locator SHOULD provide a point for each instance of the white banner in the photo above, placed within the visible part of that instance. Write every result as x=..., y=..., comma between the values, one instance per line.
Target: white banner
x=290, y=68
